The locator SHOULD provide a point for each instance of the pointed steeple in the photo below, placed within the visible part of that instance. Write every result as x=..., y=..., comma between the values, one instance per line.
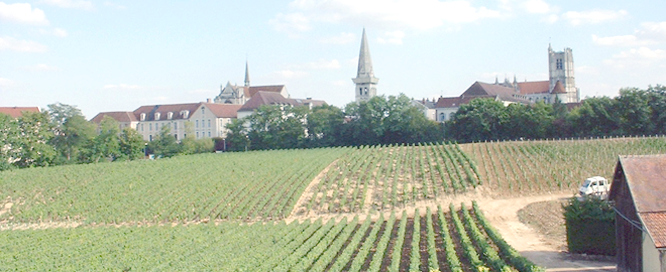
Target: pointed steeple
x=247, y=74
x=364, y=59
x=366, y=82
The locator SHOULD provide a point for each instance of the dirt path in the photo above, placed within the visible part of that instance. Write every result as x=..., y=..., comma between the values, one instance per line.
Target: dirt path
x=503, y=214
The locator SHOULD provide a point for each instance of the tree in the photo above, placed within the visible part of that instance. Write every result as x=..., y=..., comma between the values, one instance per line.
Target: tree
x=34, y=133
x=477, y=121
x=595, y=117
x=9, y=144
x=324, y=125
x=72, y=135
x=657, y=102
x=131, y=144
x=237, y=138
x=634, y=112
x=106, y=145
x=165, y=144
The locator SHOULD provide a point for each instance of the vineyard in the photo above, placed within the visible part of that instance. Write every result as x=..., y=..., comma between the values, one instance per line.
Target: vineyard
x=229, y=212
x=254, y=185
x=533, y=167
x=461, y=240
x=385, y=177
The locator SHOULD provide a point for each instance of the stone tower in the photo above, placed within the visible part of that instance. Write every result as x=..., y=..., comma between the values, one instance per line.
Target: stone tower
x=366, y=82
x=561, y=68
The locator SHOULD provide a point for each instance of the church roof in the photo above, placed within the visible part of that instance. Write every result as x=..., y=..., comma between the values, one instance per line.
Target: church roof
x=271, y=98
x=534, y=87
x=558, y=88
x=364, y=60
x=266, y=98
x=479, y=89
x=16, y=112
x=252, y=90
x=120, y=116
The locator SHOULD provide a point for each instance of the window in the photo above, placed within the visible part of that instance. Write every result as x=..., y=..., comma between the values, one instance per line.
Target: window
x=150, y=138
x=360, y=91
x=208, y=122
x=157, y=116
x=169, y=115
x=197, y=135
x=202, y=111
x=196, y=124
x=175, y=126
x=558, y=64
x=209, y=134
x=143, y=117
x=151, y=126
x=442, y=116
x=141, y=127
x=366, y=90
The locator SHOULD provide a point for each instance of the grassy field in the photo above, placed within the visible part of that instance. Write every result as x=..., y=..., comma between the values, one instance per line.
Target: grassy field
x=225, y=211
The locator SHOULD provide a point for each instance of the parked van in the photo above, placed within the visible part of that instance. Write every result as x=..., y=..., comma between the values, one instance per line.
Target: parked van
x=596, y=185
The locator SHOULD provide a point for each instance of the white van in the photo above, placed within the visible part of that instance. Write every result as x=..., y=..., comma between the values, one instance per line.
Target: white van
x=596, y=185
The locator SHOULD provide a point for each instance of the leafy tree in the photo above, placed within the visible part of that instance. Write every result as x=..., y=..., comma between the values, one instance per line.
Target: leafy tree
x=9, y=136
x=72, y=135
x=324, y=124
x=106, y=145
x=634, y=112
x=132, y=145
x=478, y=121
x=595, y=117
x=657, y=102
x=237, y=138
x=165, y=144
x=34, y=133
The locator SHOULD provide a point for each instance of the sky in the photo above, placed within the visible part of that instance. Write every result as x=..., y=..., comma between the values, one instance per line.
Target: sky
x=118, y=55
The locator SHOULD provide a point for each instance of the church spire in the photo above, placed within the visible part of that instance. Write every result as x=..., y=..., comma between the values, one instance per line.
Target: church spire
x=364, y=59
x=366, y=82
x=247, y=74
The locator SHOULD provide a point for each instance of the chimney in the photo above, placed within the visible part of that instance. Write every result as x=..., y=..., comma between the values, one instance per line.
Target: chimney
x=208, y=100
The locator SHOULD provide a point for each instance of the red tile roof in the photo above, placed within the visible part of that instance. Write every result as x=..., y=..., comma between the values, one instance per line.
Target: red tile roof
x=164, y=110
x=558, y=88
x=655, y=223
x=120, y=116
x=16, y=112
x=534, y=87
x=223, y=110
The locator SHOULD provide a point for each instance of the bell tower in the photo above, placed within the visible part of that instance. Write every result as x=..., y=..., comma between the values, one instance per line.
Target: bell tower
x=365, y=80
x=561, y=68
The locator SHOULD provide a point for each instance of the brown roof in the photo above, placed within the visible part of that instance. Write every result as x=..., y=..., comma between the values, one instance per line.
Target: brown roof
x=450, y=102
x=492, y=90
x=16, y=112
x=558, y=88
x=223, y=110
x=272, y=98
x=655, y=223
x=534, y=87
x=250, y=92
x=120, y=116
x=645, y=178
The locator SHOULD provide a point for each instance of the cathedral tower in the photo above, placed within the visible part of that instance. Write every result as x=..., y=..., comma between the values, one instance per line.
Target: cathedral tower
x=561, y=68
x=366, y=82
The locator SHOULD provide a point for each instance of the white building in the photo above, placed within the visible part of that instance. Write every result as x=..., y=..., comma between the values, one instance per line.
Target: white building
x=202, y=120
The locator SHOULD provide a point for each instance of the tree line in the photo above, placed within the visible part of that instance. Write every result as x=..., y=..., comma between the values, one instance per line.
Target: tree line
x=62, y=135
x=633, y=112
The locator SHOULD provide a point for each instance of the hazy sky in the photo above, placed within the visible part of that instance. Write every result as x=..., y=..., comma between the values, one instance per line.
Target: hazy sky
x=119, y=55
